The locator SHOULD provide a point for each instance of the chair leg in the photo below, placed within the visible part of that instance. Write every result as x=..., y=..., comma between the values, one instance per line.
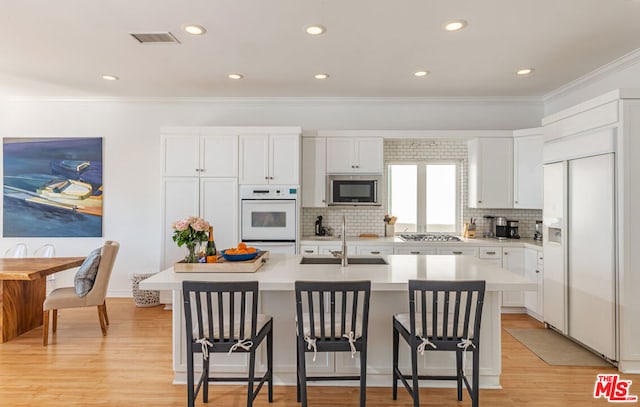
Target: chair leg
x=106, y=315
x=190, y=390
x=205, y=378
x=396, y=340
x=302, y=372
x=414, y=373
x=54, y=323
x=459, y=372
x=270, y=363
x=476, y=379
x=103, y=326
x=363, y=375
x=297, y=371
x=45, y=328
x=252, y=368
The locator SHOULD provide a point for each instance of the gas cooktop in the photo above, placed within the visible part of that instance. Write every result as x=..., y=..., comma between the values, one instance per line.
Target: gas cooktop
x=430, y=237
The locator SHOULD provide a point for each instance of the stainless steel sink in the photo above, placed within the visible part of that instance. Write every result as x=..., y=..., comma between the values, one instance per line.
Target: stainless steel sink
x=334, y=260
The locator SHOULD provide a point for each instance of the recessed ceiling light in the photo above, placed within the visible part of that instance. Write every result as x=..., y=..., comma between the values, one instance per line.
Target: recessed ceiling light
x=315, y=29
x=524, y=71
x=321, y=76
x=421, y=73
x=455, y=25
x=110, y=77
x=235, y=76
x=195, y=29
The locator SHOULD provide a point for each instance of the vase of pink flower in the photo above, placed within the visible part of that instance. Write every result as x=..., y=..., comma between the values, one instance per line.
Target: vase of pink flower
x=190, y=231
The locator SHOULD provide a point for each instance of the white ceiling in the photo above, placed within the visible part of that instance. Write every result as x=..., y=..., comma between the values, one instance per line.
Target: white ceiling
x=371, y=48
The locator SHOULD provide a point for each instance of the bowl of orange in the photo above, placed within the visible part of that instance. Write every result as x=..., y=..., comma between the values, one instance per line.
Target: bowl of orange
x=240, y=253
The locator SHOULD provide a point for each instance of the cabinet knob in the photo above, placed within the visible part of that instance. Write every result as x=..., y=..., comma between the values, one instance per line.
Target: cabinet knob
x=457, y=252
x=506, y=253
x=197, y=169
x=491, y=252
x=266, y=177
x=270, y=177
x=516, y=201
x=324, y=200
x=311, y=251
x=375, y=252
x=414, y=252
x=353, y=166
x=479, y=201
x=537, y=271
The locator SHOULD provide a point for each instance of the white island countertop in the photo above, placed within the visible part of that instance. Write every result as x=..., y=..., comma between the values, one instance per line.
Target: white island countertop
x=281, y=271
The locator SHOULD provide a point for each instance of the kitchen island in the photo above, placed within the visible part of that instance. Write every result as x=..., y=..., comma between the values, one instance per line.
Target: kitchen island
x=389, y=296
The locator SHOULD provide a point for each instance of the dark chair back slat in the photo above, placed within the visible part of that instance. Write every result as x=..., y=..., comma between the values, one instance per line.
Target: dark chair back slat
x=220, y=310
x=449, y=311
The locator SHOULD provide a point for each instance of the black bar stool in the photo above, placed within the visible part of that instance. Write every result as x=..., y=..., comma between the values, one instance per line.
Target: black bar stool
x=331, y=317
x=223, y=317
x=443, y=316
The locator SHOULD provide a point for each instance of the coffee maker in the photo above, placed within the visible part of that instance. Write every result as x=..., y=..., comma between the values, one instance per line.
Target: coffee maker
x=512, y=229
x=538, y=235
x=319, y=229
x=490, y=226
x=501, y=228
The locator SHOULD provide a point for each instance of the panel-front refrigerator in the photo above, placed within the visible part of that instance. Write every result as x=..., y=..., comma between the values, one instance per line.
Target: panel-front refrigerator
x=579, y=250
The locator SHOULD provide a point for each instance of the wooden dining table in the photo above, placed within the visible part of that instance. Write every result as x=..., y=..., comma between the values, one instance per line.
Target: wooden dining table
x=23, y=287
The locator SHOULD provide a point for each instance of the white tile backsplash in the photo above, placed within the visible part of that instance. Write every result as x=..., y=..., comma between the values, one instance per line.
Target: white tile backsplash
x=370, y=219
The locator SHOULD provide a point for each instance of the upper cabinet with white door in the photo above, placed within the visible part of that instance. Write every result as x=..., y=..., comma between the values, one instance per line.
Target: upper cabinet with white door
x=490, y=172
x=355, y=155
x=270, y=157
x=314, y=171
x=188, y=152
x=527, y=168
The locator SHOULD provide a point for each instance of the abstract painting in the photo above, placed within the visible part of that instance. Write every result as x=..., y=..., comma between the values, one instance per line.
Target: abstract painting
x=52, y=187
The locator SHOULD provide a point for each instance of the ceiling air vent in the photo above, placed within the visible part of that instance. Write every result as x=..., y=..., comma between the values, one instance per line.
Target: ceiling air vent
x=156, y=38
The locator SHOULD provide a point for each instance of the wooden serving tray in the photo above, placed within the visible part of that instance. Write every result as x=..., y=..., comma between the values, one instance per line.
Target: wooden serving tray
x=223, y=266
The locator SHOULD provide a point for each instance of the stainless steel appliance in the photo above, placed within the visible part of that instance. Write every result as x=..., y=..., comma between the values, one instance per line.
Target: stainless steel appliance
x=538, y=235
x=512, y=229
x=354, y=190
x=269, y=217
x=430, y=237
x=490, y=226
x=501, y=228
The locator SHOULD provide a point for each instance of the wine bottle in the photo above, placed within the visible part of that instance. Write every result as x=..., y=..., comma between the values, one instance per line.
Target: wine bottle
x=211, y=252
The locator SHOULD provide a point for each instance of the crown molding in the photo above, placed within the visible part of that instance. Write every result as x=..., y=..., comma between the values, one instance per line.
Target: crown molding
x=276, y=100
x=616, y=65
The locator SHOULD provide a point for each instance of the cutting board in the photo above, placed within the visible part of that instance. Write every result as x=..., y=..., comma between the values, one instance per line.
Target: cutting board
x=224, y=266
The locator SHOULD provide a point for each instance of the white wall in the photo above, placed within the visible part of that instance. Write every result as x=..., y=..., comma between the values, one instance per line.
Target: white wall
x=130, y=129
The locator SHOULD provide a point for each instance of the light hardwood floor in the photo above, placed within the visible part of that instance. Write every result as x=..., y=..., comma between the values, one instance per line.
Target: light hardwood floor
x=131, y=366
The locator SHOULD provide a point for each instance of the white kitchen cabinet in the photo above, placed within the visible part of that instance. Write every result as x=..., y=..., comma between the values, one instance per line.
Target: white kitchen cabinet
x=308, y=250
x=373, y=250
x=527, y=169
x=355, y=155
x=513, y=260
x=269, y=159
x=463, y=251
x=188, y=155
x=325, y=250
x=534, y=271
x=490, y=173
x=491, y=255
x=314, y=172
x=415, y=250
x=214, y=199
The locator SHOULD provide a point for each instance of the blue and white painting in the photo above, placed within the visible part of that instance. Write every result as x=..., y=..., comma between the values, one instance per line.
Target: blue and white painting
x=52, y=187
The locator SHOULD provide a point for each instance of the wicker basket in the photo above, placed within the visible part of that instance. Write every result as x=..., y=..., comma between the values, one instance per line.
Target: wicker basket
x=144, y=298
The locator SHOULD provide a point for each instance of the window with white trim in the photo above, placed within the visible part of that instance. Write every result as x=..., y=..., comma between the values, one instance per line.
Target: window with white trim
x=424, y=196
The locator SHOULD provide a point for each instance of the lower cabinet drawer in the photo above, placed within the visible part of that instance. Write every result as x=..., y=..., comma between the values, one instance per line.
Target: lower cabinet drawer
x=307, y=250
x=466, y=251
x=374, y=250
x=415, y=250
x=490, y=253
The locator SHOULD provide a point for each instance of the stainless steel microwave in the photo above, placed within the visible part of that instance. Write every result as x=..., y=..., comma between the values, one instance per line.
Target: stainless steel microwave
x=353, y=190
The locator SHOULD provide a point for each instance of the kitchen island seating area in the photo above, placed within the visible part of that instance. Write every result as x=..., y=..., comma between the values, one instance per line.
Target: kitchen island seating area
x=443, y=316
x=222, y=317
x=331, y=316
